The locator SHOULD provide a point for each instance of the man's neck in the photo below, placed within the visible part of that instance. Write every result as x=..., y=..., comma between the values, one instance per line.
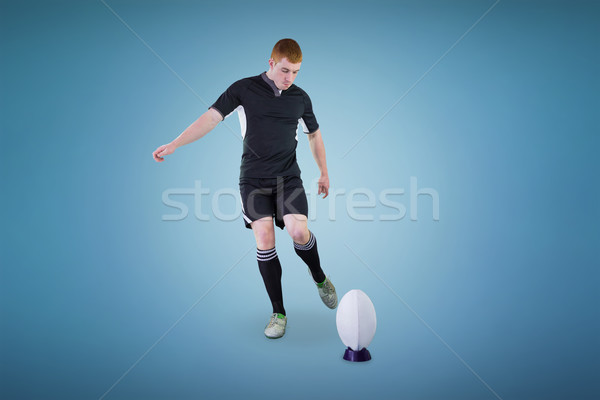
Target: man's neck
x=269, y=75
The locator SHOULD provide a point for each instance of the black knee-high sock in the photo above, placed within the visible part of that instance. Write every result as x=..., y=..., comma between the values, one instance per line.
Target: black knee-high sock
x=309, y=254
x=270, y=269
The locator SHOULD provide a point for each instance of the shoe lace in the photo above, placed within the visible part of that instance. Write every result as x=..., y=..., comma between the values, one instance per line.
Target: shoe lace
x=273, y=321
x=327, y=287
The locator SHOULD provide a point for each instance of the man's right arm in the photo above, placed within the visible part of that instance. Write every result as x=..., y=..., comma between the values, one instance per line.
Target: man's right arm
x=195, y=131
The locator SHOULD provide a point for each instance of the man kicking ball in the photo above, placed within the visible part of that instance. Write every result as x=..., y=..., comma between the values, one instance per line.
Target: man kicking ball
x=270, y=107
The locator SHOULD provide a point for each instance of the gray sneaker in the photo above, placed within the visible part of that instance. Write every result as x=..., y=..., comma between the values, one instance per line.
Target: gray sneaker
x=276, y=326
x=328, y=294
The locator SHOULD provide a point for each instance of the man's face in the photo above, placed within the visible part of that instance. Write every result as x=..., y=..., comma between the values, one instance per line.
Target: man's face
x=283, y=73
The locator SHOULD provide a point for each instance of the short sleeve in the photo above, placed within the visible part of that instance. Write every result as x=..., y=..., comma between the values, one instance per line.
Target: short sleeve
x=308, y=120
x=230, y=99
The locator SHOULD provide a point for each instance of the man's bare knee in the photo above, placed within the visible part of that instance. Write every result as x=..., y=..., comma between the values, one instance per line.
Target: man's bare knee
x=297, y=228
x=300, y=235
x=264, y=233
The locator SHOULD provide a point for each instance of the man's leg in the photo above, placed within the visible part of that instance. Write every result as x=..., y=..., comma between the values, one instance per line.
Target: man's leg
x=305, y=244
x=268, y=262
x=270, y=269
x=258, y=205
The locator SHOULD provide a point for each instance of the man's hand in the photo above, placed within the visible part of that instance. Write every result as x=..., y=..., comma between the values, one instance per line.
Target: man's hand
x=164, y=150
x=324, y=185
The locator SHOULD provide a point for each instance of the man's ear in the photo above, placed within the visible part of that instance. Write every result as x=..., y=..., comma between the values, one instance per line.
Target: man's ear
x=271, y=63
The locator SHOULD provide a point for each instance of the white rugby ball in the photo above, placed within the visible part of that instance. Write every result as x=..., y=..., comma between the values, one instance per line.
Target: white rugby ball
x=356, y=320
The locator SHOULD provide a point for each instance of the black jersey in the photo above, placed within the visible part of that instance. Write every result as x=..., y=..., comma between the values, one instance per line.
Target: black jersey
x=269, y=121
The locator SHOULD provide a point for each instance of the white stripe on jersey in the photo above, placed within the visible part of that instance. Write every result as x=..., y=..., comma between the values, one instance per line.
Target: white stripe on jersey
x=242, y=117
x=304, y=128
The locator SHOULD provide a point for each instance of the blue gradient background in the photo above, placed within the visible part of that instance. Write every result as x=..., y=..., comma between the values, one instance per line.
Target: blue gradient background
x=505, y=128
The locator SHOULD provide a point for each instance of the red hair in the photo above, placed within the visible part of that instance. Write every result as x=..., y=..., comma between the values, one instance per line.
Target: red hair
x=287, y=48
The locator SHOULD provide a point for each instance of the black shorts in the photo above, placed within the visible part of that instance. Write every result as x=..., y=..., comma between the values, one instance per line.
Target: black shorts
x=272, y=197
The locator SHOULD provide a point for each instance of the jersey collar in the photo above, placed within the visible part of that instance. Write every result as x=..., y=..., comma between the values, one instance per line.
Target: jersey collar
x=276, y=91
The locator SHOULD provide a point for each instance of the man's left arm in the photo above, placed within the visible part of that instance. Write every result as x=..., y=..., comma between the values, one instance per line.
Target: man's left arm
x=318, y=150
